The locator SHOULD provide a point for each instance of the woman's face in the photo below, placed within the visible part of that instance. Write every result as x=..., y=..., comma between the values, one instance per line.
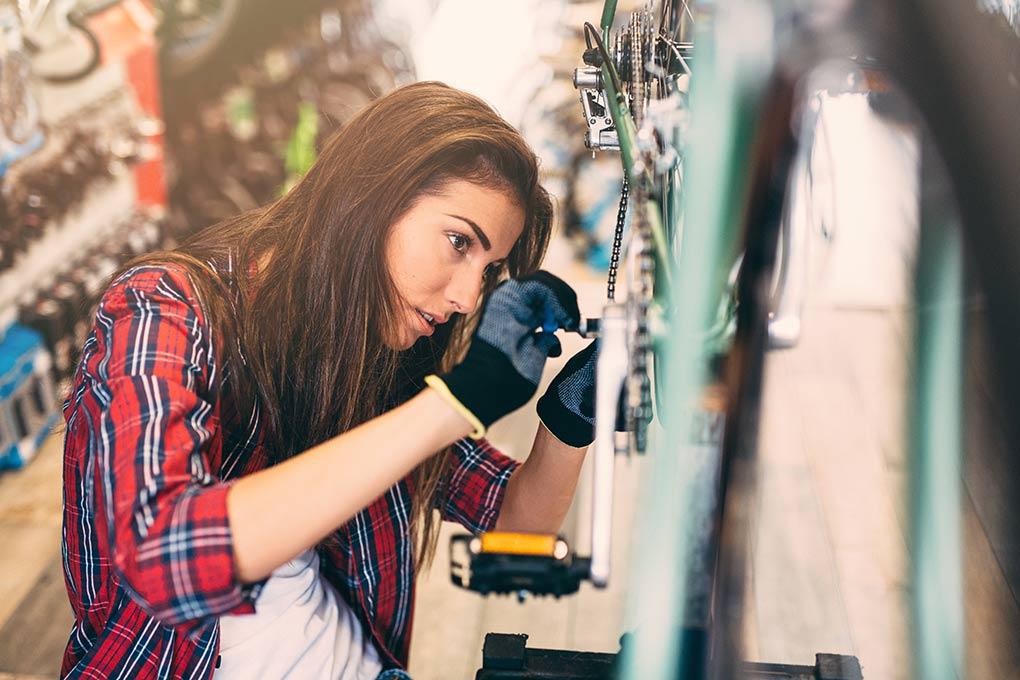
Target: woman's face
x=440, y=251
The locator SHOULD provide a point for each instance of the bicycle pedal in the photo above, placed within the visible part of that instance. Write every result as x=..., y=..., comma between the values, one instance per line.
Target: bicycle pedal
x=522, y=564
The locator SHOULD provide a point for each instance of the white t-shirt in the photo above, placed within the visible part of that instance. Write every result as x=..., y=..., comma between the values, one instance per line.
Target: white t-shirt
x=301, y=628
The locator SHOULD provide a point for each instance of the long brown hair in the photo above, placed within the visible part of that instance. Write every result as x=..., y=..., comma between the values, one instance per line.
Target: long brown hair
x=309, y=326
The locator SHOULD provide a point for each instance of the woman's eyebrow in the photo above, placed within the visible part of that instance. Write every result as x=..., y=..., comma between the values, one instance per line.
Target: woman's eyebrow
x=482, y=238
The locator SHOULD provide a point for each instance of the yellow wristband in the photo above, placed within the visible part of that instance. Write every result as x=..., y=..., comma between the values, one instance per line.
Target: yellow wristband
x=436, y=383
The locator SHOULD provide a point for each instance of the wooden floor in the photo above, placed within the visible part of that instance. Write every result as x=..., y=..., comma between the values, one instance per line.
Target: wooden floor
x=829, y=569
x=35, y=617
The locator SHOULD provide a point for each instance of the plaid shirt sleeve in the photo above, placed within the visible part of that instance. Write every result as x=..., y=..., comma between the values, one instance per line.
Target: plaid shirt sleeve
x=151, y=420
x=475, y=484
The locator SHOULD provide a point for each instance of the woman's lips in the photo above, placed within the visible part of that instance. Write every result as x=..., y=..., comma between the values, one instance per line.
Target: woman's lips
x=425, y=326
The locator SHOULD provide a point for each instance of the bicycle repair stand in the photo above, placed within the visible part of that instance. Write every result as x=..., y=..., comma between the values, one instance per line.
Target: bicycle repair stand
x=507, y=657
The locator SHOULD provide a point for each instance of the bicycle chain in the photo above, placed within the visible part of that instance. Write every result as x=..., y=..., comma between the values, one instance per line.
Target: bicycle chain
x=614, y=258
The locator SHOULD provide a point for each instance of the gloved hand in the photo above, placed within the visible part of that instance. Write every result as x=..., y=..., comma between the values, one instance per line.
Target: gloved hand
x=504, y=363
x=568, y=406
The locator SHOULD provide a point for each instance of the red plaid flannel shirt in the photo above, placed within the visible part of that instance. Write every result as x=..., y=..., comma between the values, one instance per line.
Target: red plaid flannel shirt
x=153, y=444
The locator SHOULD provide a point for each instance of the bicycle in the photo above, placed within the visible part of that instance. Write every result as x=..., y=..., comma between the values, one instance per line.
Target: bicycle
x=744, y=94
x=741, y=76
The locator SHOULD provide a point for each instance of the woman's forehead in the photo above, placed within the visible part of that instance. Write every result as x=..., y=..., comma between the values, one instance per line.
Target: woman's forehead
x=494, y=216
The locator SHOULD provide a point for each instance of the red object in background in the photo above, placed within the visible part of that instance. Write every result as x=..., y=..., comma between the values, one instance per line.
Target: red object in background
x=127, y=33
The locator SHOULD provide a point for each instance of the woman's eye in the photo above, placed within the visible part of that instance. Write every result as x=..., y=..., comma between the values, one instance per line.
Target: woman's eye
x=460, y=242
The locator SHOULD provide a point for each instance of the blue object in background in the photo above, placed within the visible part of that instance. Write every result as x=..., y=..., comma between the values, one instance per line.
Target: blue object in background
x=597, y=202
x=27, y=400
x=16, y=152
x=598, y=257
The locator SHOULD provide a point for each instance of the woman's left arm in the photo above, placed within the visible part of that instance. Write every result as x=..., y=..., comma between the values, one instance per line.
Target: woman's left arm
x=539, y=492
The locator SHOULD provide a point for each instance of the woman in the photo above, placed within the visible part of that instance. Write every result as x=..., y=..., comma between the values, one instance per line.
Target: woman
x=252, y=458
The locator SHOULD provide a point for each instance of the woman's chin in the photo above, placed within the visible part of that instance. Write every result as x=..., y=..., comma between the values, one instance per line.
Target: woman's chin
x=401, y=346
x=401, y=342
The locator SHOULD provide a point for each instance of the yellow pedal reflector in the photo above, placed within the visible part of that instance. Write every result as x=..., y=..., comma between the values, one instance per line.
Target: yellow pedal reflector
x=546, y=545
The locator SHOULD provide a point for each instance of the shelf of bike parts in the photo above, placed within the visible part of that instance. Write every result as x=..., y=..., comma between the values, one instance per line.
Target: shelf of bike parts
x=80, y=157
x=41, y=338
x=81, y=190
x=57, y=207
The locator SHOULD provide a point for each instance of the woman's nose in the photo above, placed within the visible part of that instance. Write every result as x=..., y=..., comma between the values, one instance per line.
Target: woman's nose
x=464, y=290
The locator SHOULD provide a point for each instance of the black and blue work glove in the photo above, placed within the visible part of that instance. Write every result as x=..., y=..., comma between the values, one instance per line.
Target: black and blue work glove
x=504, y=363
x=568, y=406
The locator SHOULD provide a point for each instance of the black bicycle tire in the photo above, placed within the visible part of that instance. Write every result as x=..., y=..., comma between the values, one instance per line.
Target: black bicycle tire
x=771, y=164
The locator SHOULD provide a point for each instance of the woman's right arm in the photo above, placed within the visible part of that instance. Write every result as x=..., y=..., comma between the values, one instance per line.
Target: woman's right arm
x=185, y=544
x=182, y=541
x=328, y=484
x=280, y=511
